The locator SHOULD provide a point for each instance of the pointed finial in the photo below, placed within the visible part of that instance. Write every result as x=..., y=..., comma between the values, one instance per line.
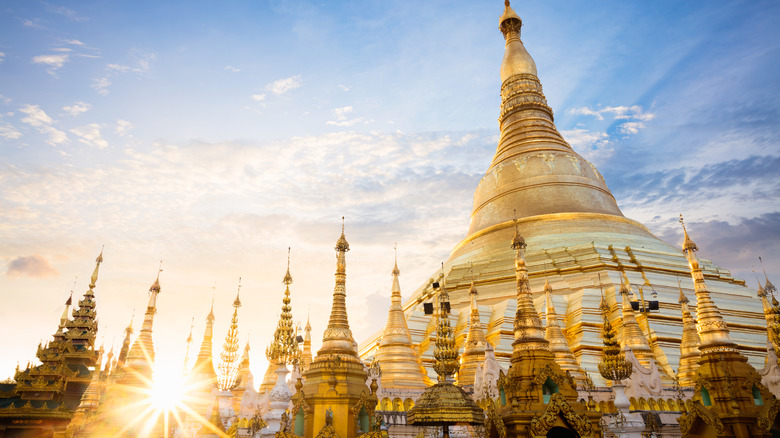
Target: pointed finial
x=70, y=299
x=237, y=302
x=768, y=287
x=287, y=277
x=688, y=243
x=517, y=241
x=396, y=271
x=94, y=278
x=683, y=298
x=342, y=245
x=603, y=305
x=156, y=286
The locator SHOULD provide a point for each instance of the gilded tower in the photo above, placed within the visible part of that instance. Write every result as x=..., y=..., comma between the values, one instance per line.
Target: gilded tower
x=401, y=367
x=334, y=399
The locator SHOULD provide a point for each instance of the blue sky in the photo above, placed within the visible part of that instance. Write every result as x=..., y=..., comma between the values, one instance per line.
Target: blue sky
x=214, y=136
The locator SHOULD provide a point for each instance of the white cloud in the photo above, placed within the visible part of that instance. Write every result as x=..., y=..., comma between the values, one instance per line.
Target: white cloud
x=101, y=85
x=32, y=24
x=634, y=112
x=343, y=87
x=2, y=56
x=74, y=42
x=631, y=127
x=341, y=117
x=90, y=135
x=117, y=68
x=62, y=49
x=593, y=146
x=5, y=100
x=123, y=127
x=66, y=12
x=8, y=131
x=77, y=108
x=53, y=61
x=233, y=69
x=38, y=119
x=259, y=97
x=282, y=86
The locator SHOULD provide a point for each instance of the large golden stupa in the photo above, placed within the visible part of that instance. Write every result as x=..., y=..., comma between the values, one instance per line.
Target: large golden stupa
x=575, y=231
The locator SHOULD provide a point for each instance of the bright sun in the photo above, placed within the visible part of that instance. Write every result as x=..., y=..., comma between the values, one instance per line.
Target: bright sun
x=168, y=387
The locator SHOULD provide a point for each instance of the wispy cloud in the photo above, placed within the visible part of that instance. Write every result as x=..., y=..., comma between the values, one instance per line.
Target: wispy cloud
x=38, y=119
x=341, y=115
x=343, y=87
x=90, y=135
x=31, y=23
x=53, y=61
x=31, y=266
x=77, y=108
x=630, y=119
x=2, y=56
x=7, y=130
x=259, y=97
x=282, y=86
x=230, y=68
x=101, y=85
x=65, y=12
x=122, y=127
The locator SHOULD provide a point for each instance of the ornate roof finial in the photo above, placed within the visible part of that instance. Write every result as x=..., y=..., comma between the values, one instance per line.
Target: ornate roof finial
x=284, y=348
x=287, y=277
x=689, y=344
x=342, y=245
x=396, y=271
x=446, y=354
x=94, y=277
x=156, y=285
x=613, y=365
x=768, y=287
x=688, y=243
x=237, y=302
x=529, y=333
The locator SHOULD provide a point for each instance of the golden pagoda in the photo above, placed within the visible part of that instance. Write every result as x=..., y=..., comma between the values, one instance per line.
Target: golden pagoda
x=476, y=343
x=575, y=231
x=45, y=397
x=306, y=356
x=689, y=346
x=729, y=399
x=536, y=395
x=400, y=365
x=559, y=345
x=333, y=399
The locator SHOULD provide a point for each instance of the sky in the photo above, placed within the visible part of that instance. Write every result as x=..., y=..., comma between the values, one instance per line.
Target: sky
x=213, y=136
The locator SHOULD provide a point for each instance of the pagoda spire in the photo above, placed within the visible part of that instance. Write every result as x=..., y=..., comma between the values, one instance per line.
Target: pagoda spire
x=712, y=328
x=689, y=345
x=284, y=347
x=529, y=333
x=306, y=356
x=141, y=355
x=204, y=364
x=228, y=364
x=337, y=338
x=559, y=345
x=122, y=358
x=768, y=286
x=446, y=354
x=189, y=343
x=631, y=334
x=401, y=367
x=476, y=343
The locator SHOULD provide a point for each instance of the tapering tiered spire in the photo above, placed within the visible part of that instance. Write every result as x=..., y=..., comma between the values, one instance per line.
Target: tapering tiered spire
x=559, y=345
x=228, y=364
x=689, y=346
x=141, y=355
x=631, y=335
x=122, y=358
x=613, y=364
x=529, y=333
x=476, y=343
x=204, y=364
x=306, y=355
x=337, y=338
x=284, y=348
x=712, y=328
x=446, y=355
x=401, y=368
